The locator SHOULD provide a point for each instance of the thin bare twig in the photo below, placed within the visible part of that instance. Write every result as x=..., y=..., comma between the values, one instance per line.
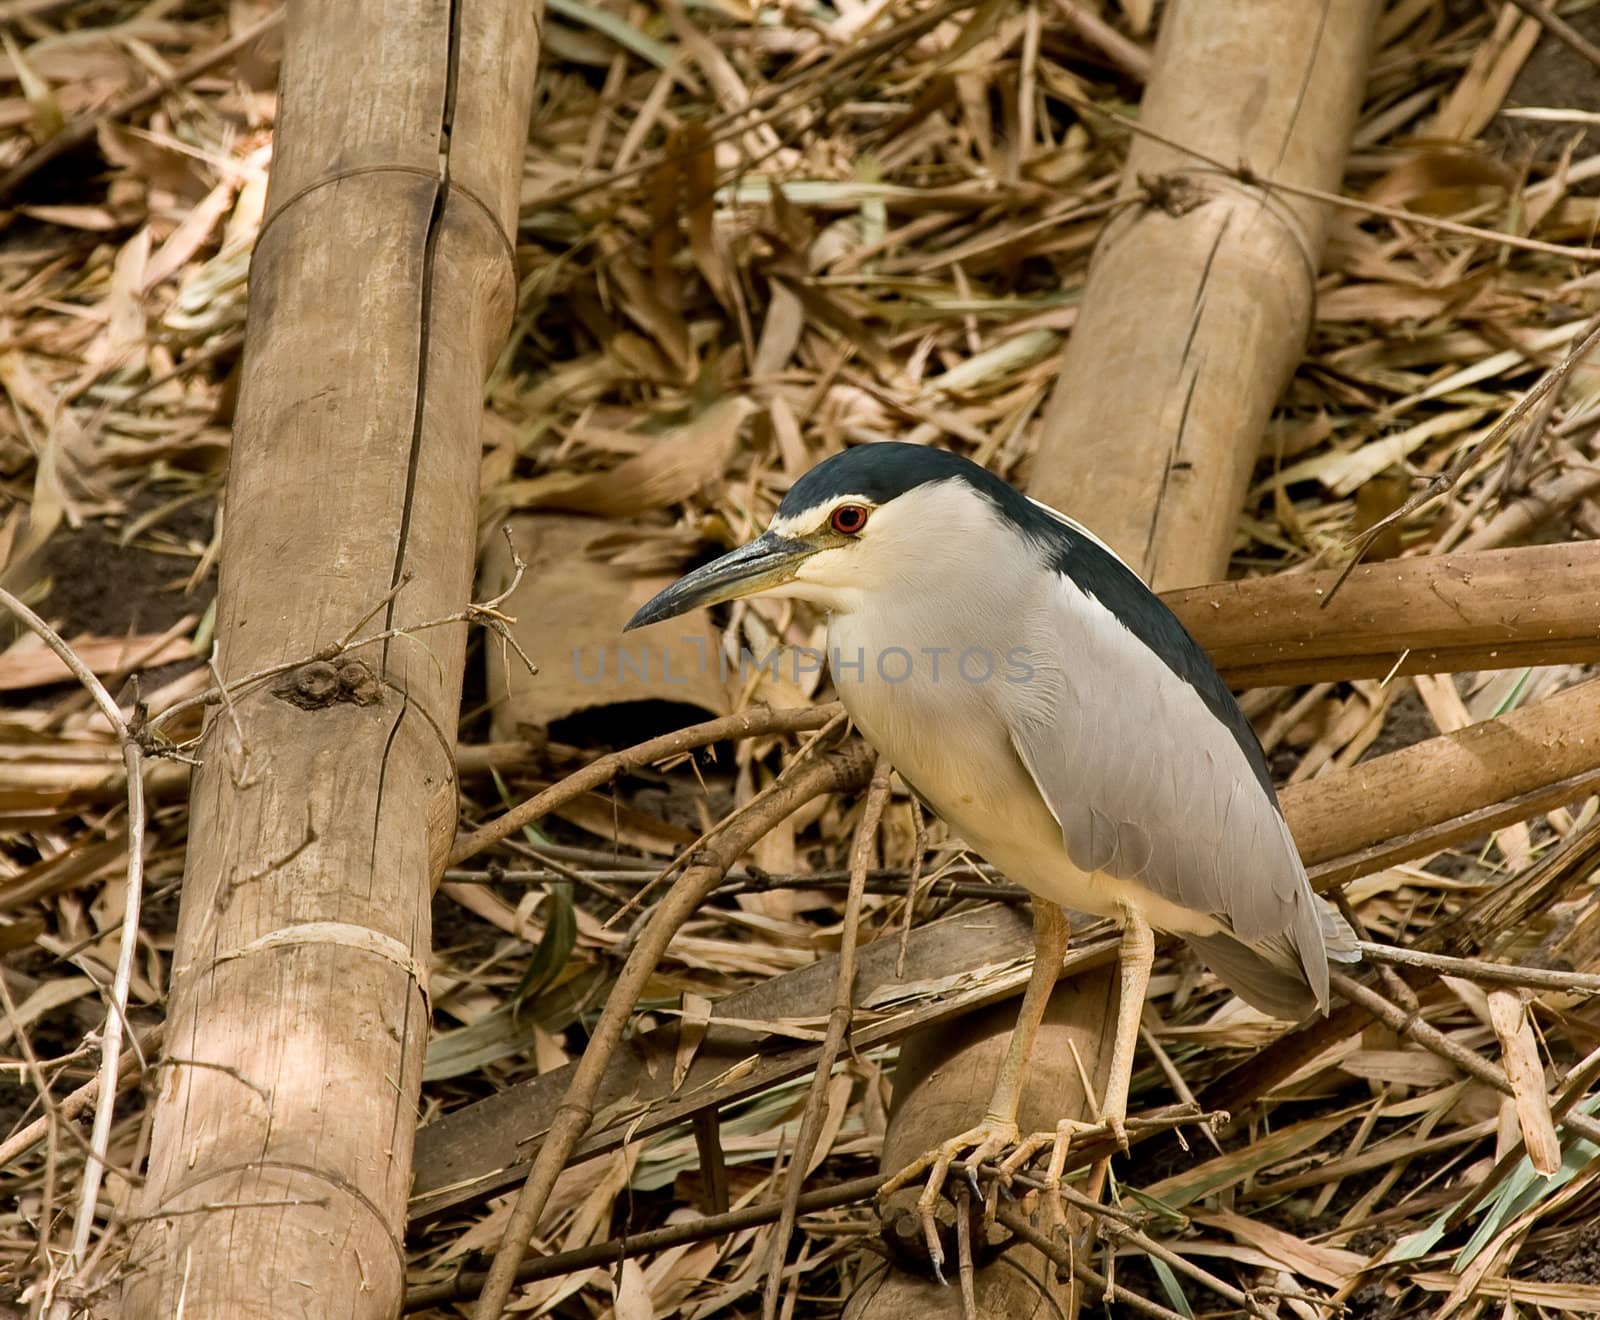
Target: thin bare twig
x=963, y=1201
x=1012, y=1218
x=836, y=773
x=1560, y=29
x=1485, y=973
x=51, y=1120
x=919, y=847
x=643, y=1244
x=1243, y=174
x=1127, y=54
x=838, y=1025
x=1119, y=1224
x=486, y=614
x=128, y=939
x=746, y=724
x=1435, y=1041
x=809, y=748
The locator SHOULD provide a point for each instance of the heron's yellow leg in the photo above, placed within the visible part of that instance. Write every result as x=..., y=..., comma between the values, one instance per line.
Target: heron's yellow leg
x=998, y=1129
x=1135, y=957
x=1134, y=960
x=1050, y=934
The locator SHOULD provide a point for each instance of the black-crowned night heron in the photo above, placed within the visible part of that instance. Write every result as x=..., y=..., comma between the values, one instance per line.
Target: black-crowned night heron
x=1036, y=694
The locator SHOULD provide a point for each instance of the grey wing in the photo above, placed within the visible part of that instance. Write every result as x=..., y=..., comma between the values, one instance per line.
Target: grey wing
x=1149, y=785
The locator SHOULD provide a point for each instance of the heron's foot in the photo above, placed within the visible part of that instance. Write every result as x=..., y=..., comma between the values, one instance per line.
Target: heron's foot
x=1059, y=1144
x=983, y=1142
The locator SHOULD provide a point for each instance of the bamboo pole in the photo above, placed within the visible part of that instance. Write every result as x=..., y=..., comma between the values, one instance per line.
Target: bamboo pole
x=1198, y=301
x=1194, y=316
x=1444, y=614
x=382, y=287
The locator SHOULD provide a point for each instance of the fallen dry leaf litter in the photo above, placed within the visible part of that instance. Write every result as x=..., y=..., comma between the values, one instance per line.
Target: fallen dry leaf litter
x=750, y=237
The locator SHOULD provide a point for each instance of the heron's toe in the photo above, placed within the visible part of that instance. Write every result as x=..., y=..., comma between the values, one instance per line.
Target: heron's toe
x=984, y=1142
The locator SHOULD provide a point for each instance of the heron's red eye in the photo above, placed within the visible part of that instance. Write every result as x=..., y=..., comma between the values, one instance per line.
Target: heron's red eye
x=849, y=519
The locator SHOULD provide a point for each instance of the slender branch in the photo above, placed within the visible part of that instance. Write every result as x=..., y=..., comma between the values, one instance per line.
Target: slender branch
x=838, y=1025
x=486, y=615
x=1119, y=1224
x=835, y=773
x=746, y=724
x=1435, y=1041
x=1013, y=1219
x=463, y=1286
x=1243, y=174
x=51, y=1121
x=809, y=748
x=128, y=938
x=1486, y=973
x=1560, y=29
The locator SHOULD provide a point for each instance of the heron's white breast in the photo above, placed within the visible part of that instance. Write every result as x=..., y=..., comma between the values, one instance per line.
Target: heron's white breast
x=943, y=724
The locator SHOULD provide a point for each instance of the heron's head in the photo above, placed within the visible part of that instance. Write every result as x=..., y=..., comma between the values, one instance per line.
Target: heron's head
x=875, y=519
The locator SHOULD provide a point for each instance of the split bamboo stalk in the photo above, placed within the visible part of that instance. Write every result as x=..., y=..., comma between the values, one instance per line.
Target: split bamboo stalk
x=1199, y=300
x=1445, y=614
x=1194, y=316
x=383, y=284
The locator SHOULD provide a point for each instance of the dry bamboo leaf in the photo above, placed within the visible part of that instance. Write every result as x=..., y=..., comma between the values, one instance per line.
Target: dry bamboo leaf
x=28, y=665
x=700, y=187
x=1328, y=1265
x=1488, y=77
x=691, y=1031
x=1429, y=173
x=671, y=469
x=1519, y=1053
x=123, y=347
x=1399, y=1067
x=1576, y=1298
x=569, y=610
x=43, y=105
x=837, y=1106
x=184, y=242
x=1342, y=471
x=630, y=1294
x=49, y=997
x=1230, y=1170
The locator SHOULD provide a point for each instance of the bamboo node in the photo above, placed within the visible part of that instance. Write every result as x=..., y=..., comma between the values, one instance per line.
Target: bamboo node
x=321, y=683
x=1175, y=193
x=343, y=934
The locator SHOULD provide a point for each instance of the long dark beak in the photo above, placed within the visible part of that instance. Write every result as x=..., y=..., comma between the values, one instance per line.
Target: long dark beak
x=768, y=561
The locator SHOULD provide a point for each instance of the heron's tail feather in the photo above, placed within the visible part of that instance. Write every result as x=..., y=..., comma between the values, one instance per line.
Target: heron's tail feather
x=1265, y=976
x=1280, y=975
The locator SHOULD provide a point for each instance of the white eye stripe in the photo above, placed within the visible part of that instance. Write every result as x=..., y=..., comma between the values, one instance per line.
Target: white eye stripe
x=817, y=517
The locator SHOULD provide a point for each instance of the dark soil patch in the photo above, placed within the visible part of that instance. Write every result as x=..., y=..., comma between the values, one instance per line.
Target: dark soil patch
x=1555, y=76
x=1406, y=723
x=1573, y=1259
x=98, y=586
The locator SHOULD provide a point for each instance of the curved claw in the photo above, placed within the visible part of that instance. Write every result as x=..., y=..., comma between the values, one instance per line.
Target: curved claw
x=1059, y=1144
x=985, y=1141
